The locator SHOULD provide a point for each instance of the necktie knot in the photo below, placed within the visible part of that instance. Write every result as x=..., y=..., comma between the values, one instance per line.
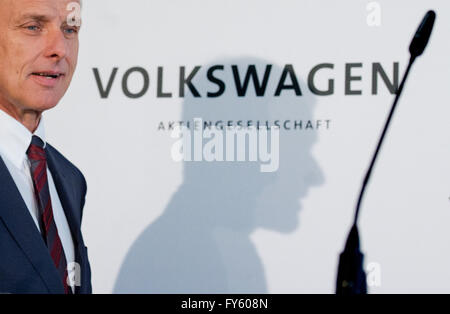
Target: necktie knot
x=36, y=140
x=36, y=149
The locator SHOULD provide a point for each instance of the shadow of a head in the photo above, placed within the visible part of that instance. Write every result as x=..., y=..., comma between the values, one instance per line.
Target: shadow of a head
x=201, y=244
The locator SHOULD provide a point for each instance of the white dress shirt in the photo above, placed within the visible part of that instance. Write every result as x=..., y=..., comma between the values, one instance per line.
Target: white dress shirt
x=14, y=142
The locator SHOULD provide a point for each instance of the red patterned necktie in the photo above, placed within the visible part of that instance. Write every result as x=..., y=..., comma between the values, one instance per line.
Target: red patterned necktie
x=36, y=155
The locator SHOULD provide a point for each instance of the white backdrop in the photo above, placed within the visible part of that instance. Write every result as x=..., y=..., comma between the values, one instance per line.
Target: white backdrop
x=155, y=225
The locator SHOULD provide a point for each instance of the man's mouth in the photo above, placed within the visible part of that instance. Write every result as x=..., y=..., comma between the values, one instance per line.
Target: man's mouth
x=47, y=79
x=49, y=75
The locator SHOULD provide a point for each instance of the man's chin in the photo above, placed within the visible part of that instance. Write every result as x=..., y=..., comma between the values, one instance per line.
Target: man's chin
x=42, y=106
x=43, y=98
x=42, y=103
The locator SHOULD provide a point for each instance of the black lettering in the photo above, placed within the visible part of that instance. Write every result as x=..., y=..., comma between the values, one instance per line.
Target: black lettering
x=187, y=81
x=391, y=86
x=215, y=80
x=288, y=70
x=260, y=88
x=159, y=92
x=349, y=78
x=104, y=93
x=311, y=84
x=144, y=89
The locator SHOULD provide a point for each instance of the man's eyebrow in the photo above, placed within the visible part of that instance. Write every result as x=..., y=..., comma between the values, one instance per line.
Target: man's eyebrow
x=34, y=17
x=67, y=24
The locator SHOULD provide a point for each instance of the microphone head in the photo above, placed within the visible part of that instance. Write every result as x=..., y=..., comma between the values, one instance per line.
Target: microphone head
x=420, y=40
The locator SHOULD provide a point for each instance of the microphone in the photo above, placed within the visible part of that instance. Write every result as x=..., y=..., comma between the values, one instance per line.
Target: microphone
x=423, y=33
x=351, y=278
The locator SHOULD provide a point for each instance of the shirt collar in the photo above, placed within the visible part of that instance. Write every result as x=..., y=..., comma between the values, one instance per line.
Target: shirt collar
x=15, y=138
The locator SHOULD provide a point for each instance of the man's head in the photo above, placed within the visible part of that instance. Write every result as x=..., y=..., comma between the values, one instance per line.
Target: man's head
x=38, y=53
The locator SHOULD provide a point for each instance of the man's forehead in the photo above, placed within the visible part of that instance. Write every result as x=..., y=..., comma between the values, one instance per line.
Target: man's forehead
x=42, y=7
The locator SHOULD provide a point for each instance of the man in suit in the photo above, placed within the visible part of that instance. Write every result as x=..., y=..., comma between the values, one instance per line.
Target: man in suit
x=42, y=194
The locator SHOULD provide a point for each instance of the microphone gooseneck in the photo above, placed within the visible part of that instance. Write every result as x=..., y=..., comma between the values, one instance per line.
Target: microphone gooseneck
x=416, y=48
x=380, y=141
x=351, y=278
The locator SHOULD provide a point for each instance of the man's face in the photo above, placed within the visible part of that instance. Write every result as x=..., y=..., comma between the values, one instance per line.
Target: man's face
x=38, y=53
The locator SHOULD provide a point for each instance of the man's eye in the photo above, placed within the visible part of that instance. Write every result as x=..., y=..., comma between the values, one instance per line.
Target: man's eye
x=32, y=27
x=71, y=30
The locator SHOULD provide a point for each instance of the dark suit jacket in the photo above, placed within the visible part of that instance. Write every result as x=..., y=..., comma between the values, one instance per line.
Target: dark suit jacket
x=25, y=264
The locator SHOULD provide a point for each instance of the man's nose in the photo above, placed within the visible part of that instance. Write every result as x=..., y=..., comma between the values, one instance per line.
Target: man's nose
x=56, y=45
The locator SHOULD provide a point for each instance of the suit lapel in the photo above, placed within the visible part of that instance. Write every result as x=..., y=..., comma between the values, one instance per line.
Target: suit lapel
x=18, y=220
x=61, y=177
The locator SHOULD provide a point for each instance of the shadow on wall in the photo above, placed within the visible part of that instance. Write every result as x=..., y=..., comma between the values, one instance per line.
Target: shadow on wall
x=201, y=243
